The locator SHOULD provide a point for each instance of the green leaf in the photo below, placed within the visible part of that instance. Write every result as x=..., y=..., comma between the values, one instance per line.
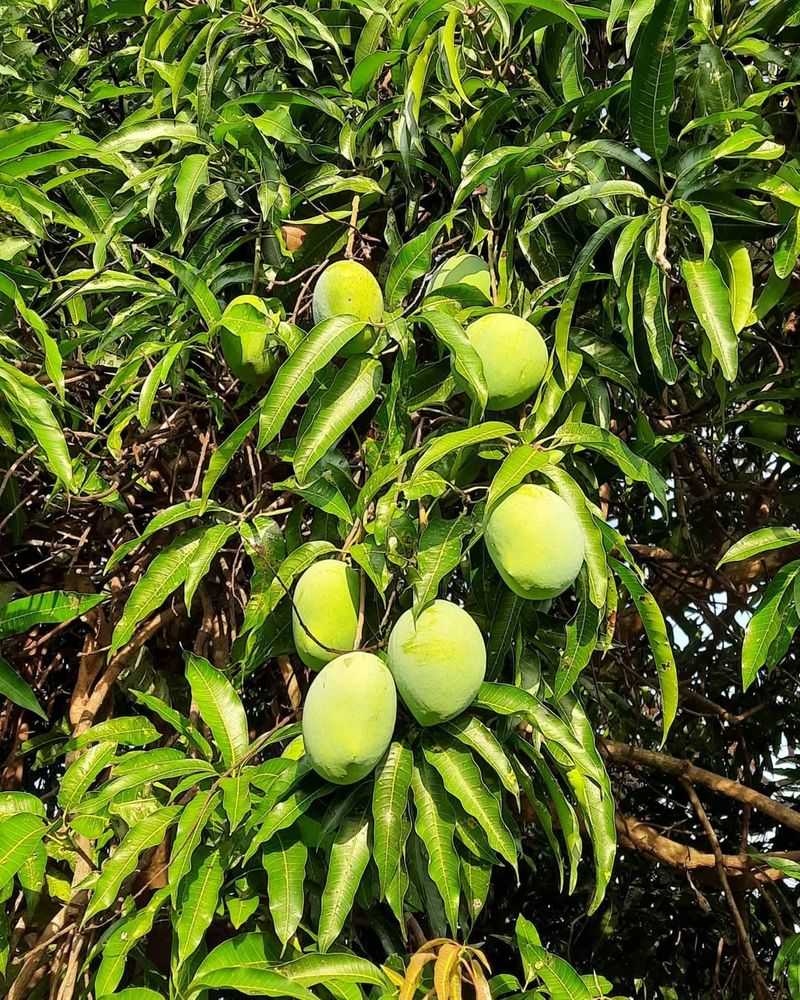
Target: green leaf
x=463, y=780
x=131, y=138
x=48, y=608
x=314, y=969
x=211, y=541
x=122, y=939
x=223, y=455
x=701, y=220
x=762, y=540
x=366, y=69
x=653, y=80
x=322, y=493
x=656, y=324
x=504, y=159
x=174, y=719
x=595, y=553
x=627, y=241
x=470, y=731
x=505, y=699
x=253, y=952
x=81, y=774
x=20, y=835
x=18, y=139
x=220, y=707
x=191, y=279
x=296, y=374
x=197, y=901
x=136, y=993
x=353, y=389
x=165, y=574
x=349, y=858
x=254, y=983
x=577, y=276
x=236, y=797
x=560, y=979
x=33, y=408
x=435, y=826
x=284, y=860
x=412, y=262
x=595, y=798
x=438, y=554
x=763, y=627
x=788, y=248
x=565, y=813
x=710, y=301
x=739, y=279
x=581, y=641
x=609, y=445
x=588, y=192
x=193, y=821
x=283, y=815
x=164, y=519
x=147, y=833
x=192, y=175
x=12, y=803
x=491, y=430
x=656, y=630
x=520, y=462
x=13, y=687
x=466, y=360
x=389, y=799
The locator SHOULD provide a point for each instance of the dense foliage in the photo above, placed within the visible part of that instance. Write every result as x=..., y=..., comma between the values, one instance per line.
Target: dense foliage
x=180, y=441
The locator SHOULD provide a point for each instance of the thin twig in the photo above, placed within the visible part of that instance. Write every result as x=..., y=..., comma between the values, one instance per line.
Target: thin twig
x=762, y=991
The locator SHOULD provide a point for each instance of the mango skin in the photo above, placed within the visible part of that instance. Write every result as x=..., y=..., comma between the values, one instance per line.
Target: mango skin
x=438, y=663
x=349, y=717
x=513, y=355
x=767, y=422
x=464, y=269
x=347, y=288
x=536, y=542
x=326, y=599
x=248, y=357
x=251, y=355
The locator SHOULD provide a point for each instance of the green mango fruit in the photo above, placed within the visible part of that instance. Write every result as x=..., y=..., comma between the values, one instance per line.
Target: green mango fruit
x=347, y=288
x=513, y=355
x=438, y=662
x=536, y=542
x=325, y=608
x=464, y=269
x=349, y=717
x=247, y=338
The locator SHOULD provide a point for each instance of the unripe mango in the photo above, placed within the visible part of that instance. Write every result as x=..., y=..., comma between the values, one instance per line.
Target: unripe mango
x=247, y=336
x=326, y=603
x=513, y=355
x=464, y=269
x=536, y=542
x=438, y=662
x=768, y=422
x=349, y=716
x=347, y=288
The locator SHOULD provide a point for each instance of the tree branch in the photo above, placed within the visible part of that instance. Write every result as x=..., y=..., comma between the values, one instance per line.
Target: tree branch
x=621, y=753
x=747, y=872
x=762, y=992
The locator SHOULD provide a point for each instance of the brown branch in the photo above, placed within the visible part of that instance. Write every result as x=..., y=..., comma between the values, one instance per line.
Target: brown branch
x=643, y=838
x=621, y=753
x=762, y=992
